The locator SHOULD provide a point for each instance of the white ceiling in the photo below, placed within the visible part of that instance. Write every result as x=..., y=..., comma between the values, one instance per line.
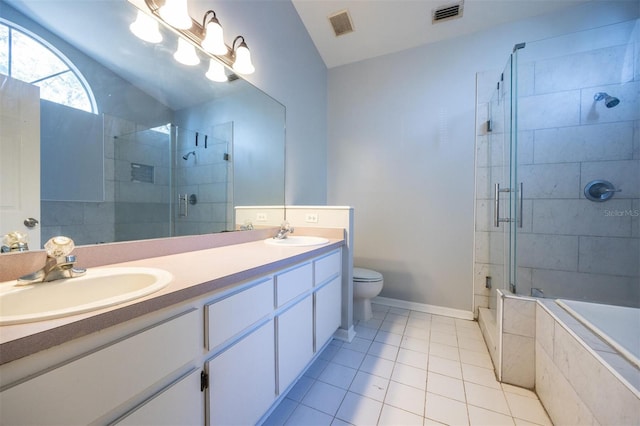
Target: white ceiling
x=387, y=26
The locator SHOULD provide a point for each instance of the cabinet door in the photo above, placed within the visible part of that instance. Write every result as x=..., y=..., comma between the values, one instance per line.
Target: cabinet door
x=182, y=403
x=90, y=387
x=328, y=311
x=242, y=379
x=295, y=341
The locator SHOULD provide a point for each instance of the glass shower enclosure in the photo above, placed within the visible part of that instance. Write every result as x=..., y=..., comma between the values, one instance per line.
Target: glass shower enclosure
x=558, y=171
x=171, y=181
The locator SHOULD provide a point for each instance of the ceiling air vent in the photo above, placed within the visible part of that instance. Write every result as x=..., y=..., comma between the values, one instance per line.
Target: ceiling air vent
x=341, y=22
x=449, y=11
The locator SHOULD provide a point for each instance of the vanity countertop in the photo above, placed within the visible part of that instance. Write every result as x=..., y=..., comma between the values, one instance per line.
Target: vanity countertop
x=195, y=274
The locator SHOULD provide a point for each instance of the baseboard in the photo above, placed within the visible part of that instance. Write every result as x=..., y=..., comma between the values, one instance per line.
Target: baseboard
x=345, y=335
x=423, y=307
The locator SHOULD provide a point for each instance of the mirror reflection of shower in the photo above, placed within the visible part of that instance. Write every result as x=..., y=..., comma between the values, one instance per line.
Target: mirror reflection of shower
x=186, y=156
x=609, y=101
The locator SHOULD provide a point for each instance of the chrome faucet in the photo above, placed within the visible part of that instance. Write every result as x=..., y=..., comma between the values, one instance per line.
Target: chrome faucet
x=285, y=229
x=59, y=265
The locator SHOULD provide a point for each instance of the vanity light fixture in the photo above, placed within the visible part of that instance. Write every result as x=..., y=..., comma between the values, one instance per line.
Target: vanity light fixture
x=175, y=13
x=146, y=28
x=207, y=37
x=186, y=53
x=213, y=41
x=216, y=72
x=242, y=57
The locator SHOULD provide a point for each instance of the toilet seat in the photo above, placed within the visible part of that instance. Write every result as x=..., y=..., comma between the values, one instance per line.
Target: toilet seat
x=363, y=275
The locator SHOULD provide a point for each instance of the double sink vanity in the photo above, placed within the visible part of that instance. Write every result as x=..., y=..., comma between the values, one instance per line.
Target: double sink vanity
x=211, y=336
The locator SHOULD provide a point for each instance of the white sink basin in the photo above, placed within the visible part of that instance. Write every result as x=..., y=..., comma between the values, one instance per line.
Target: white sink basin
x=99, y=288
x=297, y=241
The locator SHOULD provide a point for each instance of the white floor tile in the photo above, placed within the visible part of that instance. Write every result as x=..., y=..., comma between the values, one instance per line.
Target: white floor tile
x=407, y=368
x=316, y=368
x=348, y=358
x=307, y=416
x=480, y=376
x=484, y=397
x=374, y=387
x=382, y=350
x=282, y=412
x=445, y=367
x=481, y=417
x=392, y=327
x=414, y=344
x=410, y=376
x=476, y=358
x=324, y=397
x=338, y=375
x=359, y=410
x=377, y=366
x=417, y=332
x=393, y=416
x=444, y=338
x=444, y=351
x=446, y=410
x=300, y=389
x=374, y=323
x=358, y=344
x=527, y=408
x=388, y=338
x=446, y=386
x=366, y=333
x=412, y=358
x=423, y=324
x=405, y=397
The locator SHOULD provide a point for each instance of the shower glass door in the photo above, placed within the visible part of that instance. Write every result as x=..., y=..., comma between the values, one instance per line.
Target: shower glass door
x=498, y=203
x=577, y=109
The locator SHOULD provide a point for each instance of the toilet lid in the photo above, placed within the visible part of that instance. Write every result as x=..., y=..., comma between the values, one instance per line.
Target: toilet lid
x=366, y=275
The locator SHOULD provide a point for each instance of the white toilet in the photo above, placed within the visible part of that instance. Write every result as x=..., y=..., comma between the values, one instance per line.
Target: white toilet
x=367, y=284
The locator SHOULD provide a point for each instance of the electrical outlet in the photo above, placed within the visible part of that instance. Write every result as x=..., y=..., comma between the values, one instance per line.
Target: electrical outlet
x=261, y=217
x=311, y=218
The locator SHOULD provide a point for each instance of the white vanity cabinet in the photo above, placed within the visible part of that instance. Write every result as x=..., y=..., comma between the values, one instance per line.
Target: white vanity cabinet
x=223, y=358
x=93, y=387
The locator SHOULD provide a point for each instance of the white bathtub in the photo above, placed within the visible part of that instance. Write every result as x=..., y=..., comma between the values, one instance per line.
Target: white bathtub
x=618, y=325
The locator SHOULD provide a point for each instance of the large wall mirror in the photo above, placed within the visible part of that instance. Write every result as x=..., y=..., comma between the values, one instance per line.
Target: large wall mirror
x=154, y=150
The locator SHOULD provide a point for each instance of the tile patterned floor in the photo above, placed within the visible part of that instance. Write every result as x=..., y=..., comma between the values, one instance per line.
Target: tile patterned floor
x=407, y=368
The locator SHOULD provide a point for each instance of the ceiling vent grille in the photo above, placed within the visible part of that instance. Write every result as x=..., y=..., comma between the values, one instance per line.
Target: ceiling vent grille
x=450, y=11
x=341, y=23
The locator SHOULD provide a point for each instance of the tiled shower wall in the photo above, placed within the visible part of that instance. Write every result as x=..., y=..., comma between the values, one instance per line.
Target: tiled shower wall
x=569, y=246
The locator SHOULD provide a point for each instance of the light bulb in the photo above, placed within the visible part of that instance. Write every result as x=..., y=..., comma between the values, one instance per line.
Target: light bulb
x=175, y=13
x=216, y=72
x=146, y=28
x=213, y=41
x=186, y=53
x=243, y=64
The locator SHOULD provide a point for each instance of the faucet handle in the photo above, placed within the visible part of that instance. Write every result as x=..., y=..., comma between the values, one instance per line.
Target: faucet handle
x=59, y=246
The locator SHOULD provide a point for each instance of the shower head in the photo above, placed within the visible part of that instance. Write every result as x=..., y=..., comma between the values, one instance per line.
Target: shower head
x=186, y=156
x=609, y=101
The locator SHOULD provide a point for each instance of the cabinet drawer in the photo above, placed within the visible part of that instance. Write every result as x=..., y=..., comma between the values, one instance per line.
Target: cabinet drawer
x=102, y=380
x=227, y=317
x=293, y=282
x=326, y=267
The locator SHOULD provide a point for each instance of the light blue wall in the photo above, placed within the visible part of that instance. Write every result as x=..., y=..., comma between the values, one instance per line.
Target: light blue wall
x=401, y=151
x=288, y=68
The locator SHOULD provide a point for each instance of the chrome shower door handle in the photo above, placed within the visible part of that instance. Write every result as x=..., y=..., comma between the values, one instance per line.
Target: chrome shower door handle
x=521, y=205
x=496, y=205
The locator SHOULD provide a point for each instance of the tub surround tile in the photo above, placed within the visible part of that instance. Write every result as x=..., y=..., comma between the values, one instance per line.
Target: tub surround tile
x=519, y=316
x=518, y=360
x=556, y=252
x=613, y=256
